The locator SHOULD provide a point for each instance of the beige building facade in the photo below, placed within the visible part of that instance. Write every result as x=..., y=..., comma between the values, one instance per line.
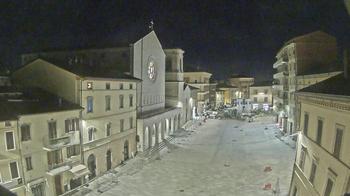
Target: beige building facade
x=109, y=115
x=322, y=164
x=199, y=80
x=310, y=54
x=261, y=96
x=47, y=141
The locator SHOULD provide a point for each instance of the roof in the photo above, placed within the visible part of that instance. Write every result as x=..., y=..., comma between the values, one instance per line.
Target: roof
x=90, y=71
x=306, y=37
x=337, y=85
x=262, y=83
x=32, y=101
x=239, y=76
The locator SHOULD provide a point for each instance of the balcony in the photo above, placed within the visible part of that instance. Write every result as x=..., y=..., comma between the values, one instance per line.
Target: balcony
x=12, y=183
x=59, y=142
x=279, y=62
x=280, y=75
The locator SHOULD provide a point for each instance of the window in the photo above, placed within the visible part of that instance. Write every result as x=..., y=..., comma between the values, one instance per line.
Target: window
x=255, y=92
x=52, y=130
x=14, y=170
x=121, y=86
x=108, y=86
x=91, y=133
x=255, y=99
x=338, y=142
x=329, y=187
x=121, y=125
x=25, y=132
x=319, y=131
x=108, y=129
x=90, y=104
x=29, y=163
x=302, y=158
x=130, y=86
x=306, y=123
x=108, y=102
x=121, y=101
x=10, y=140
x=195, y=81
x=266, y=91
x=89, y=85
x=7, y=124
x=131, y=121
x=313, y=172
x=73, y=150
x=71, y=125
x=265, y=99
x=130, y=100
x=54, y=157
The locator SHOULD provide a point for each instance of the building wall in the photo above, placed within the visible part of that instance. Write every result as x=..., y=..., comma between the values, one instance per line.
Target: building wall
x=49, y=77
x=150, y=92
x=322, y=154
x=261, y=95
x=16, y=184
x=39, y=147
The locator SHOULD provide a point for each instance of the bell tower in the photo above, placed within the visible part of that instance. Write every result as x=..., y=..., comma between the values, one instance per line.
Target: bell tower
x=174, y=64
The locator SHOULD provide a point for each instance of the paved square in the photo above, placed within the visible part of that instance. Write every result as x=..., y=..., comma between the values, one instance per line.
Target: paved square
x=221, y=157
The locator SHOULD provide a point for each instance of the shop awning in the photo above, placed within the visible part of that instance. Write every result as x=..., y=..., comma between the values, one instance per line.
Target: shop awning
x=79, y=171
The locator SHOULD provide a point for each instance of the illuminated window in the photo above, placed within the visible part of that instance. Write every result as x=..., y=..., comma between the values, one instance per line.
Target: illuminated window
x=89, y=85
x=90, y=104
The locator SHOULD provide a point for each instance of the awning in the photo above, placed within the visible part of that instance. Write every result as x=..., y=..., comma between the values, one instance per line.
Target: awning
x=79, y=171
x=58, y=170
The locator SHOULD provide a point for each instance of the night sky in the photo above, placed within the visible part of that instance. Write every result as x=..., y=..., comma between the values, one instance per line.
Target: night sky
x=224, y=37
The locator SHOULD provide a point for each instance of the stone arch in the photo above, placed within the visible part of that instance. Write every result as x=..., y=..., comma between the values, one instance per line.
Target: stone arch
x=108, y=159
x=167, y=127
x=146, y=136
x=153, y=135
x=91, y=162
x=126, y=150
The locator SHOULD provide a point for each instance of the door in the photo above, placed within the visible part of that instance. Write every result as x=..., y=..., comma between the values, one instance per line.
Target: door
x=109, y=160
x=92, y=166
x=38, y=189
x=58, y=185
x=126, y=150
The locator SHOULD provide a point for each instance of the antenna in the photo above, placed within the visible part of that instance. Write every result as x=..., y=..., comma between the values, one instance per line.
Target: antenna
x=151, y=24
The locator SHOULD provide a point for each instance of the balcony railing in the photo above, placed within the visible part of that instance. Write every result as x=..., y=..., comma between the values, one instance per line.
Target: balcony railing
x=279, y=62
x=12, y=183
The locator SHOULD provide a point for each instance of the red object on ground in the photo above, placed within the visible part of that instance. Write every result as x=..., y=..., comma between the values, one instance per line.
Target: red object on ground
x=267, y=186
x=267, y=169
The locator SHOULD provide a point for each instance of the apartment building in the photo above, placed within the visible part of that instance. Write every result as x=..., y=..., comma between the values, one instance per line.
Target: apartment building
x=309, y=54
x=42, y=143
x=261, y=95
x=242, y=83
x=199, y=79
x=322, y=164
x=109, y=101
x=212, y=94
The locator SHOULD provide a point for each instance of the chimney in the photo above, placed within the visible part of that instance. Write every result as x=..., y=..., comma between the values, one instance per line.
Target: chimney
x=346, y=63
